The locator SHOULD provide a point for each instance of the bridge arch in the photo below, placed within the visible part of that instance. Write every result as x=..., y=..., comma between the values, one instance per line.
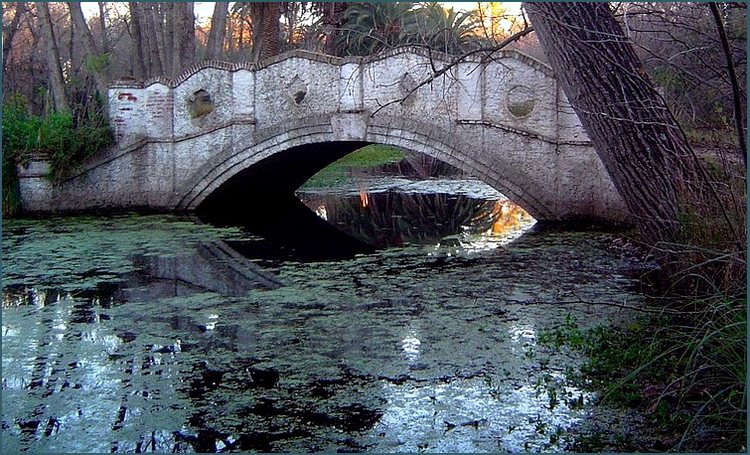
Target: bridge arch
x=503, y=120
x=299, y=148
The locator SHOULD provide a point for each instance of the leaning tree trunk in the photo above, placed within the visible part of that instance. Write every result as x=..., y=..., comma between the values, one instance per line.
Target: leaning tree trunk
x=630, y=126
x=54, y=66
x=215, y=44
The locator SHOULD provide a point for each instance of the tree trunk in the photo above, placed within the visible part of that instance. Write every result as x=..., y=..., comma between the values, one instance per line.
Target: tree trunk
x=82, y=29
x=157, y=19
x=73, y=58
x=103, y=26
x=266, y=29
x=215, y=45
x=736, y=97
x=151, y=42
x=176, y=26
x=183, y=36
x=54, y=66
x=169, y=63
x=8, y=34
x=332, y=16
x=136, y=33
x=188, y=47
x=230, y=34
x=629, y=124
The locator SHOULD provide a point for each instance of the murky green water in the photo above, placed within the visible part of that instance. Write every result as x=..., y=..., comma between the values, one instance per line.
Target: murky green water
x=149, y=333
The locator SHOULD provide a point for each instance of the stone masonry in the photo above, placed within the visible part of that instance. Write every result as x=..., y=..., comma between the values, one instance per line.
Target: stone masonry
x=503, y=120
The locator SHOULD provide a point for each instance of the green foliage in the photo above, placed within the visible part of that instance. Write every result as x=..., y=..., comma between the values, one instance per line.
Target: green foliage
x=11, y=197
x=55, y=136
x=443, y=29
x=97, y=63
x=370, y=28
x=685, y=369
x=370, y=156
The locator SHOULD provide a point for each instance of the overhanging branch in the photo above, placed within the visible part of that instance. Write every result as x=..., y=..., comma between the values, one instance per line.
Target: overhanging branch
x=488, y=51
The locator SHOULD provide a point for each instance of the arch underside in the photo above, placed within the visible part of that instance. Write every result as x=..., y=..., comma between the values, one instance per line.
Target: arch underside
x=285, y=160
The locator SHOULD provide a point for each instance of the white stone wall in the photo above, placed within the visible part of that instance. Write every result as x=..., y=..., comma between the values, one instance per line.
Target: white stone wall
x=295, y=88
x=126, y=111
x=504, y=120
x=243, y=95
x=511, y=81
x=218, y=84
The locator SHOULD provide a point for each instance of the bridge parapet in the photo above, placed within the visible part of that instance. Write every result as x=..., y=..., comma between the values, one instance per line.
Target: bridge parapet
x=511, y=90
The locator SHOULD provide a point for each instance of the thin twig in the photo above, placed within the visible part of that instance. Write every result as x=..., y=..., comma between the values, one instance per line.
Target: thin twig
x=488, y=50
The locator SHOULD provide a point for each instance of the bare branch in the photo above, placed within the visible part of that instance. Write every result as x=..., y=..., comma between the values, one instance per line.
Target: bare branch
x=488, y=51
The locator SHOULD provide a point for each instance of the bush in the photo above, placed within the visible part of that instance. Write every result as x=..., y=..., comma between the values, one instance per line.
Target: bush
x=66, y=145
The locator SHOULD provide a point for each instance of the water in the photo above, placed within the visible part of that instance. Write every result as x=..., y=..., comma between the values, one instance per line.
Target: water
x=161, y=333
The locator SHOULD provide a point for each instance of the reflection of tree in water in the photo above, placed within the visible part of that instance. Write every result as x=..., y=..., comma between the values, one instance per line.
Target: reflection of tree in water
x=206, y=394
x=502, y=217
x=393, y=218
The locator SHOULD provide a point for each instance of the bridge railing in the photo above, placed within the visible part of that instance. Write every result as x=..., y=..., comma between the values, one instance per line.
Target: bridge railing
x=510, y=90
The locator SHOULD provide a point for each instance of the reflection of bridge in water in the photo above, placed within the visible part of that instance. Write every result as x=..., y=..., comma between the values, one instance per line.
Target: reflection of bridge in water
x=222, y=131
x=213, y=267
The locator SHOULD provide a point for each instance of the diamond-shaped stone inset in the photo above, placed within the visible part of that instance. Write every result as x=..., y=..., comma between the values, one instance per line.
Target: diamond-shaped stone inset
x=297, y=90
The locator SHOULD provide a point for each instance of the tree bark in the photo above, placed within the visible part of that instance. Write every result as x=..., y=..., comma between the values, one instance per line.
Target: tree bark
x=230, y=33
x=332, y=17
x=736, y=97
x=183, y=36
x=103, y=26
x=9, y=32
x=215, y=45
x=157, y=19
x=82, y=29
x=151, y=41
x=54, y=66
x=630, y=126
x=266, y=29
x=136, y=32
x=169, y=62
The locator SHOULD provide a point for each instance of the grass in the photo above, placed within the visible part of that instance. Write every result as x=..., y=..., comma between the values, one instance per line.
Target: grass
x=684, y=369
x=339, y=171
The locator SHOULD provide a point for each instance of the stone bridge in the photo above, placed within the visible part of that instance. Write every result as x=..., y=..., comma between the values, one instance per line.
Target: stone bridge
x=220, y=129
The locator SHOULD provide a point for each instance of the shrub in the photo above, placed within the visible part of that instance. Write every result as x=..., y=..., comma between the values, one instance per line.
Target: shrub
x=65, y=144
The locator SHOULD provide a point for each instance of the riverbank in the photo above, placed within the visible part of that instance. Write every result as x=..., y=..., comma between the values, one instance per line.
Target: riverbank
x=677, y=373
